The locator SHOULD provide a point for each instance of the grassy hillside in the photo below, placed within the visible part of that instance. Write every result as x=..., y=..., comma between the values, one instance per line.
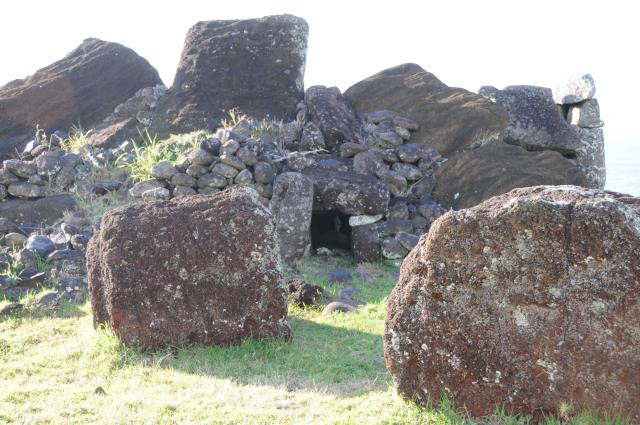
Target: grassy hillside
x=55, y=368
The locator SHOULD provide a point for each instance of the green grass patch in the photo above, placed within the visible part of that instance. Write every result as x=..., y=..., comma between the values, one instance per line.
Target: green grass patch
x=52, y=363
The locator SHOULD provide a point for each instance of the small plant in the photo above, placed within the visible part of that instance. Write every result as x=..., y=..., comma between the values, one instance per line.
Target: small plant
x=235, y=118
x=78, y=139
x=149, y=151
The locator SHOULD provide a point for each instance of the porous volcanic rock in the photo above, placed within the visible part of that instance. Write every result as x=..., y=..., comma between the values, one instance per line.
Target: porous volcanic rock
x=496, y=168
x=535, y=122
x=192, y=270
x=292, y=205
x=529, y=300
x=83, y=87
x=39, y=212
x=256, y=65
x=347, y=193
x=449, y=118
x=333, y=115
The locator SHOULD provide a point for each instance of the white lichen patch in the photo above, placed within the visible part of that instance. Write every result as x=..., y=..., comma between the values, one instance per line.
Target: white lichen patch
x=520, y=318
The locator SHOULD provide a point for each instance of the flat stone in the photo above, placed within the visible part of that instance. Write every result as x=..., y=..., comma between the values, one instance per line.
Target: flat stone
x=139, y=188
x=41, y=245
x=163, y=170
x=347, y=193
x=213, y=180
x=224, y=170
x=362, y=220
x=338, y=307
x=575, y=89
x=27, y=190
x=20, y=168
x=156, y=193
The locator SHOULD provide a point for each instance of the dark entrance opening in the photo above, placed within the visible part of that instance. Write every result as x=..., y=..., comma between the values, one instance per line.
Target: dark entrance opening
x=330, y=230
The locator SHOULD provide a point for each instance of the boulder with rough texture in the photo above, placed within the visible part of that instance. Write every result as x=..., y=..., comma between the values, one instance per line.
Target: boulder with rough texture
x=365, y=243
x=575, y=89
x=333, y=115
x=449, y=118
x=347, y=193
x=530, y=300
x=83, y=87
x=256, y=65
x=535, y=122
x=292, y=206
x=36, y=213
x=498, y=167
x=192, y=270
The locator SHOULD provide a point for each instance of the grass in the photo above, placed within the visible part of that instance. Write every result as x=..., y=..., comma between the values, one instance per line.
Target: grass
x=148, y=151
x=332, y=372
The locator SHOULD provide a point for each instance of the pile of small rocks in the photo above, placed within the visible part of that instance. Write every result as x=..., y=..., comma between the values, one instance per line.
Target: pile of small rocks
x=59, y=251
x=45, y=168
x=230, y=158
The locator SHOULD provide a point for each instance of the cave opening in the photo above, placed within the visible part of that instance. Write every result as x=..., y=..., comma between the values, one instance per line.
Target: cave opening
x=330, y=230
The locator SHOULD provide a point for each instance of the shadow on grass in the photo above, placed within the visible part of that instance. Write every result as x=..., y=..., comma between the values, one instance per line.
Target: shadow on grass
x=31, y=311
x=320, y=358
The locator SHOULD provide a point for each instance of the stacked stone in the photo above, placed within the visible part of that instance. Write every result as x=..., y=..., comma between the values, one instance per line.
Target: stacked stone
x=386, y=154
x=45, y=168
x=228, y=159
x=62, y=248
x=575, y=98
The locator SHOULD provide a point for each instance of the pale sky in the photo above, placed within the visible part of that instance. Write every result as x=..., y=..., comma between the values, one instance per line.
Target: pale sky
x=464, y=43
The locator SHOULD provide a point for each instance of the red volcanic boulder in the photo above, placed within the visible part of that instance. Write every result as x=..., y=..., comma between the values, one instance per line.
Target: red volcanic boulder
x=529, y=300
x=83, y=87
x=192, y=270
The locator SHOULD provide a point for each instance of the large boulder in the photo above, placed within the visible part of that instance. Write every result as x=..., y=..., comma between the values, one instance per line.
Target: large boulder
x=292, y=206
x=450, y=118
x=83, y=87
x=34, y=214
x=347, y=193
x=495, y=168
x=530, y=300
x=256, y=65
x=333, y=115
x=192, y=270
x=535, y=122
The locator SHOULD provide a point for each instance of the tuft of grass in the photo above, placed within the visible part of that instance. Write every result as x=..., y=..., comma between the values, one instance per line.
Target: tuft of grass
x=94, y=206
x=148, y=151
x=332, y=372
x=77, y=141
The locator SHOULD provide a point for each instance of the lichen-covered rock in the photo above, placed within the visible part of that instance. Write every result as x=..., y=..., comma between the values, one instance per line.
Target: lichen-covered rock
x=575, y=89
x=256, y=65
x=347, y=193
x=535, y=122
x=590, y=156
x=292, y=206
x=334, y=116
x=192, y=270
x=529, y=300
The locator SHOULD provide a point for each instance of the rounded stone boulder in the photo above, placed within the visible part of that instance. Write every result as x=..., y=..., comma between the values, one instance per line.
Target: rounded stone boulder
x=529, y=300
x=192, y=270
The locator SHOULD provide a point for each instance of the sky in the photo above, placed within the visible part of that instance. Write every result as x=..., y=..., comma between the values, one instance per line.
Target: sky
x=464, y=43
